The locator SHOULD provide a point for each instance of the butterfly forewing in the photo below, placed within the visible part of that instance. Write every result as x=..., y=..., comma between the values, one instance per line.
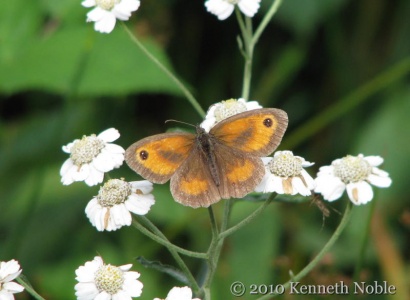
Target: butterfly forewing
x=156, y=158
x=257, y=132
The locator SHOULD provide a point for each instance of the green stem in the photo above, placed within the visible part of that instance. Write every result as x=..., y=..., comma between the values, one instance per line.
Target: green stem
x=28, y=288
x=320, y=255
x=363, y=245
x=160, y=65
x=167, y=243
x=246, y=31
x=265, y=21
x=248, y=219
x=344, y=105
x=175, y=255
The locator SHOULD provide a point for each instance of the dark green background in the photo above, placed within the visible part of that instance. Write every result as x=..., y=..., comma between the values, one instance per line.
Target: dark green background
x=339, y=68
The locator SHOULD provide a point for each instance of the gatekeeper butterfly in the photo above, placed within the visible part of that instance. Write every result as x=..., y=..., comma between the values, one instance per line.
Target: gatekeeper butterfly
x=206, y=167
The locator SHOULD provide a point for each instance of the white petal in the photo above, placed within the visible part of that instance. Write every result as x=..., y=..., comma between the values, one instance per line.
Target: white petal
x=144, y=186
x=86, y=290
x=13, y=287
x=379, y=181
x=360, y=192
x=103, y=296
x=80, y=174
x=249, y=7
x=308, y=180
x=88, y=3
x=299, y=187
x=96, y=14
x=103, y=162
x=250, y=105
x=109, y=135
x=222, y=9
x=330, y=187
x=125, y=269
x=122, y=10
x=67, y=148
x=182, y=293
x=139, y=204
x=121, y=215
x=9, y=270
x=266, y=160
x=130, y=275
x=374, y=161
x=4, y=295
x=276, y=185
x=377, y=171
x=106, y=24
x=94, y=177
x=133, y=287
x=114, y=149
x=121, y=295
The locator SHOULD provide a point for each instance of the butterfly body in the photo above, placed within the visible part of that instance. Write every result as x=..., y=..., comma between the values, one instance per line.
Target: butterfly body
x=206, y=167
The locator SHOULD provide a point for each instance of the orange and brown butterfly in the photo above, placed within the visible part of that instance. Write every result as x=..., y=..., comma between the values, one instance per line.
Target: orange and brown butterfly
x=206, y=167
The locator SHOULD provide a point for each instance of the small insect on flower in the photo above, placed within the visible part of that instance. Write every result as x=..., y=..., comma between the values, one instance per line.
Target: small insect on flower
x=285, y=174
x=355, y=174
x=91, y=157
x=107, y=11
x=8, y=271
x=224, y=8
x=97, y=280
x=224, y=109
x=179, y=293
x=112, y=208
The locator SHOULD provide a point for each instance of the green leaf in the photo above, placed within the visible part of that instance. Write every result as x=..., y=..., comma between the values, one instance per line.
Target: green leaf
x=170, y=270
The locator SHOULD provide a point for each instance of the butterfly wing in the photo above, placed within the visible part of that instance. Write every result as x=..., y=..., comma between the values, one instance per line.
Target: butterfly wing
x=192, y=185
x=242, y=172
x=156, y=158
x=257, y=132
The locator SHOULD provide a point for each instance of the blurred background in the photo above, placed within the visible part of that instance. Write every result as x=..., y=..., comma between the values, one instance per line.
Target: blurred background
x=339, y=68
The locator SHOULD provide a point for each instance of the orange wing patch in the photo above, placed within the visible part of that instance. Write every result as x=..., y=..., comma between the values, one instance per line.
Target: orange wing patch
x=256, y=131
x=240, y=173
x=156, y=158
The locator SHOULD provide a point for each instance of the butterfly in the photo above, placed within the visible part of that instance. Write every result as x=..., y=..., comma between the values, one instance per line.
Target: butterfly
x=207, y=167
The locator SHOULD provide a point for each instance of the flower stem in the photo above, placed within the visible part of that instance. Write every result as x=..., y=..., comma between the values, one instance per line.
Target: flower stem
x=160, y=65
x=320, y=255
x=21, y=279
x=248, y=219
x=167, y=243
x=174, y=253
x=363, y=245
x=266, y=19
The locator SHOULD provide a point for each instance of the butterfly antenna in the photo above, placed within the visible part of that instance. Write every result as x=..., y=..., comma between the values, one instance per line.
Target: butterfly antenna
x=171, y=120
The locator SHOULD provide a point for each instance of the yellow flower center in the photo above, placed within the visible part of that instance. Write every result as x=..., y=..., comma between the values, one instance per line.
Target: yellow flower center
x=229, y=108
x=107, y=4
x=114, y=191
x=285, y=165
x=352, y=169
x=109, y=279
x=85, y=150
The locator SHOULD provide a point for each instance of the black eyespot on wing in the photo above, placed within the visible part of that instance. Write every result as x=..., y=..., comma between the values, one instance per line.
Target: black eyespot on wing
x=144, y=155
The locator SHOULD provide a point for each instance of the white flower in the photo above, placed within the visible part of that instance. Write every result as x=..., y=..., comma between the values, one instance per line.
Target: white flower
x=179, y=293
x=353, y=173
x=9, y=271
x=97, y=280
x=107, y=11
x=224, y=8
x=110, y=209
x=91, y=157
x=224, y=109
x=285, y=174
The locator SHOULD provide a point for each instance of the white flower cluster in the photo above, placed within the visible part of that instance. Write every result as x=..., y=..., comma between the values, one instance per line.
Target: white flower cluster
x=106, y=12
